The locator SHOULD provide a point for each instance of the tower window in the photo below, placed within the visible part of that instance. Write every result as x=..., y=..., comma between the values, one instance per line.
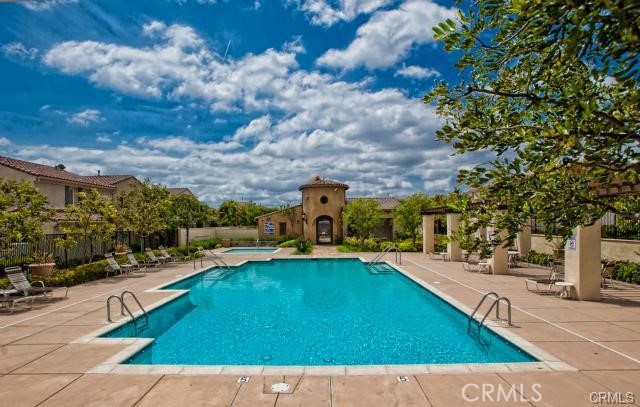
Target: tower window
x=324, y=199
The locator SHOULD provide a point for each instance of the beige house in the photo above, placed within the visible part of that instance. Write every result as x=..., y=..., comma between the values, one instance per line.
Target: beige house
x=61, y=187
x=319, y=216
x=180, y=191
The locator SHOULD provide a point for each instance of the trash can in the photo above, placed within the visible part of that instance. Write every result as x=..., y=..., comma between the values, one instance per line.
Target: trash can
x=226, y=242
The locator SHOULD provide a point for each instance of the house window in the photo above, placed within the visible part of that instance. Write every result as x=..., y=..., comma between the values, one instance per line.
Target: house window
x=68, y=195
x=283, y=228
x=324, y=199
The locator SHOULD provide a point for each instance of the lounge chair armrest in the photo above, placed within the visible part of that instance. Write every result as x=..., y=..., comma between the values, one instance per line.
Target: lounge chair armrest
x=33, y=283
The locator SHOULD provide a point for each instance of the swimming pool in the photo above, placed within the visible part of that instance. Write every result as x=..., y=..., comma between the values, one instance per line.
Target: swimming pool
x=311, y=312
x=249, y=250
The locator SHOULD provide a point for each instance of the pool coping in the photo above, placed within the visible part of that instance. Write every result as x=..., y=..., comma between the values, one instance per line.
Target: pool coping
x=113, y=365
x=227, y=250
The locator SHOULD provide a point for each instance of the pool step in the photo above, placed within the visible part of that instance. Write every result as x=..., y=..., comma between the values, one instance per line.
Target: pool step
x=376, y=268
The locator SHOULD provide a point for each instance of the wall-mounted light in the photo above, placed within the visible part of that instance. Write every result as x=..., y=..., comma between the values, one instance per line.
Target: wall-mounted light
x=304, y=217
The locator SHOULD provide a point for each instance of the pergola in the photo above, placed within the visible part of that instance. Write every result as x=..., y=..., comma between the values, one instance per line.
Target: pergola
x=582, y=251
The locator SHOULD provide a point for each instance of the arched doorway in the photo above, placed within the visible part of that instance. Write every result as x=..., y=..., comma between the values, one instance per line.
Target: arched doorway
x=324, y=230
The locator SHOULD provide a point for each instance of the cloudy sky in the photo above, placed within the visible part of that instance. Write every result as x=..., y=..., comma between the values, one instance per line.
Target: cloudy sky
x=240, y=99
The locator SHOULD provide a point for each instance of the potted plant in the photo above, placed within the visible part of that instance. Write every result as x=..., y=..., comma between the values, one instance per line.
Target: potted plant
x=121, y=249
x=43, y=263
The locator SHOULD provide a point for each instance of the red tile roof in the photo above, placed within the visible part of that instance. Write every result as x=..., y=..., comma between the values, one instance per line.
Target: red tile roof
x=41, y=170
x=318, y=181
x=387, y=203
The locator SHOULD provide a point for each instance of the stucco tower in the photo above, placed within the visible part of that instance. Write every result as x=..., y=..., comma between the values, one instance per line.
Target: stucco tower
x=323, y=201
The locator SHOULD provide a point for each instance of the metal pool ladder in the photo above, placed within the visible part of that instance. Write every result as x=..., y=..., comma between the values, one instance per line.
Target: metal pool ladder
x=495, y=304
x=387, y=250
x=215, y=259
x=123, y=307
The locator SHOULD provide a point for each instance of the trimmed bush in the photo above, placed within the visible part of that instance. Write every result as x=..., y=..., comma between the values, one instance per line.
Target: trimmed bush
x=627, y=271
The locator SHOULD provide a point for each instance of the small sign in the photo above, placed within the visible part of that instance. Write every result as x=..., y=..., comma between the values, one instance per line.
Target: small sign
x=571, y=243
x=269, y=228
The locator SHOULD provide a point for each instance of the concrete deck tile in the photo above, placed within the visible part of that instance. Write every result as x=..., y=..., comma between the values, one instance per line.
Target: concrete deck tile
x=14, y=333
x=192, y=391
x=251, y=394
x=58, y=334
x=71, y=359
x=628, y=381
x=631, y=348
x=541, y=331
x=589, y=356
x=14, y=356
x=312, y=391
x=602, y=331
x=555, y=389
x=40, y=387
x=94, y=390
x=376, y=391
x=366, y=370
x=242, y=370
x=407, y=369
x=467, y=390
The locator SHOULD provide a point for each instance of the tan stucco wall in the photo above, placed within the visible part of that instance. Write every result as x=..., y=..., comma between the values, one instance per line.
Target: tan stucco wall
x=611, y=249
x=276, y=219
x=126, y=186
x=314, y=209
x=14, y=175
x=221, y=232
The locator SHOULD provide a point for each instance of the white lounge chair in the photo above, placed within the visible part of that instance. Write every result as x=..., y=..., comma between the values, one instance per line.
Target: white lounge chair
x=153, y=258
x=21, y=284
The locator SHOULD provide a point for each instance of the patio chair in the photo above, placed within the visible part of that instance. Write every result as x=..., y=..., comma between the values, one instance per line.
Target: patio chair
x=9, y=302
x=169, y=256
x=112, y=265
x=470, y=265
x=545, y=285
x=136, y=265
x=152, y=257
x=19, y=282
x=444, y=256
x=606, y=273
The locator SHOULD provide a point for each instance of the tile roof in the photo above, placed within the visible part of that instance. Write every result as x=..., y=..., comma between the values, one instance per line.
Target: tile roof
x=109, y=180
x=180, y=191
x=387, y=203
x=318, y=181
x=41, y=170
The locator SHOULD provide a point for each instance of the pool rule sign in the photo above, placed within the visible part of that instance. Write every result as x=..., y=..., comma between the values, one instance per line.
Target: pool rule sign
x=269, y=228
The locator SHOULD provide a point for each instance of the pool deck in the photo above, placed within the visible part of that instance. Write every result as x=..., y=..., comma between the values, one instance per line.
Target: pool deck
x=596, y=344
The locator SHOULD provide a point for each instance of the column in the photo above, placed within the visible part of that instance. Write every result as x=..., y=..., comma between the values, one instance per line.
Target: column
x=582, y=262
x=523, y=239
x=428, y=234
x=499, y=261
x=453, y=247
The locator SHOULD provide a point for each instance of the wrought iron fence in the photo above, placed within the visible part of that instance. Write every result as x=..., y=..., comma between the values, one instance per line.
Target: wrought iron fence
x=18, y=254
x=613, y=227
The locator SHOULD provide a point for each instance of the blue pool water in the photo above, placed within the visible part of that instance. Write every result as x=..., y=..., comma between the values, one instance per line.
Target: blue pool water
x=250, y=250
x=311, y=312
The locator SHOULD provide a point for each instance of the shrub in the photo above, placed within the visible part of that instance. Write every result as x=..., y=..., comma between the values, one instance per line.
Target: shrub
x=289, y=243
x=441, y=243
x=303, y=246
x=539, y=258
x=627, y=271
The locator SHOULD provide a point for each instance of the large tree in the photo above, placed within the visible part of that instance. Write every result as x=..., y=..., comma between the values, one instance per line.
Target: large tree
x=363, y=216
x=187, y=211
x=408, y=213
x=144, y=210
x=551, y=89
x=23, y=210
x=90, y=220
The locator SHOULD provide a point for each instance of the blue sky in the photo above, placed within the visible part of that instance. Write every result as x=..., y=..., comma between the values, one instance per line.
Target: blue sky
x=241, y=99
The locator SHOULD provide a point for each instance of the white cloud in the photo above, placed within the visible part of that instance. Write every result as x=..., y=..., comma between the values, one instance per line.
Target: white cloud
x=103, y=138
x=85, y=117
x=303, y=122
x=389, y=36
x=328, y=13
x=417, y=72
x=19, y=50
x=4, y=142
x=39, y=5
